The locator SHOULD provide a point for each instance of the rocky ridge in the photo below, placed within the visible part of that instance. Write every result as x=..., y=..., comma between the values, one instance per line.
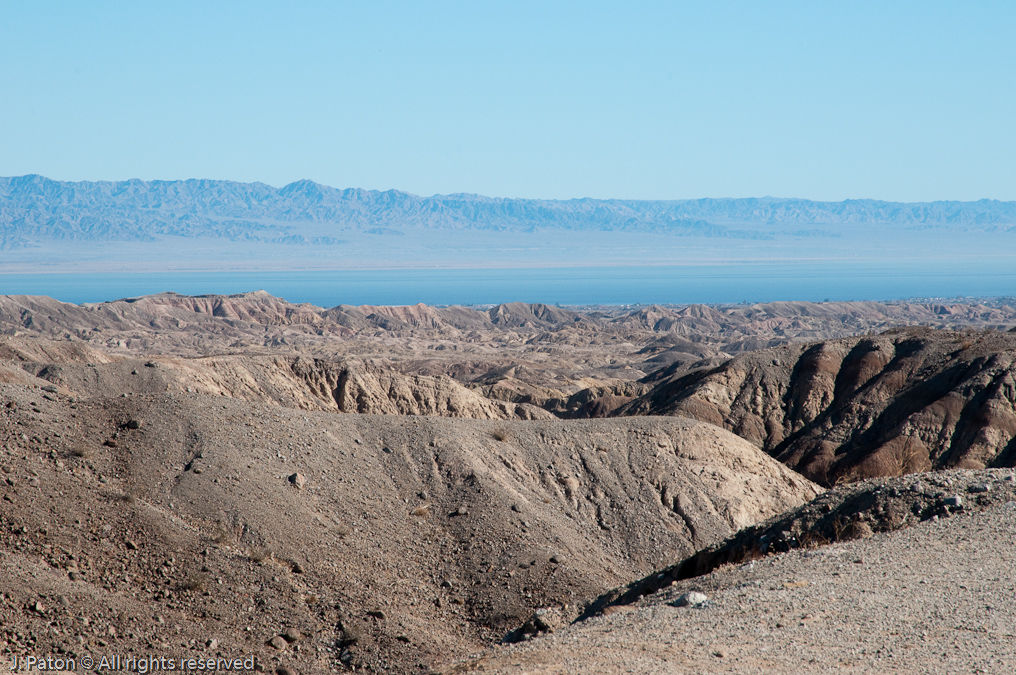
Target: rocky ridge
x=906, y=400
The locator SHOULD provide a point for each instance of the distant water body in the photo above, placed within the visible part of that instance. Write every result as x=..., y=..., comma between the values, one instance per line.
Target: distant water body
x=716, y=283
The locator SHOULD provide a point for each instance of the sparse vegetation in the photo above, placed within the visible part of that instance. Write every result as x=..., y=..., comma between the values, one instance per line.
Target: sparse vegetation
x=220, y=535
x=259, y=555
x=195, y=583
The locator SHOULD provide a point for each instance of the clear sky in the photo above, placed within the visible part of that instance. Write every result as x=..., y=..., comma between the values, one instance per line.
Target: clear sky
x=900, y=100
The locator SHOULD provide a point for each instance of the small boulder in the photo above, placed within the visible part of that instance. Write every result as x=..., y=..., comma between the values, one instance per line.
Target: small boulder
x=292, y=635
x=278, y=642
x=298, y=480
x=212, y=644
x=692, y=599
x=134, y=424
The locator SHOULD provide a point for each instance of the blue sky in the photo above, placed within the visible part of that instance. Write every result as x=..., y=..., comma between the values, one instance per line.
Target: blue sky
x=905, y=101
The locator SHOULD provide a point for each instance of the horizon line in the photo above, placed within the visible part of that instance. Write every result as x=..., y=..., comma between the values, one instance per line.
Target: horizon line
x=500, y=198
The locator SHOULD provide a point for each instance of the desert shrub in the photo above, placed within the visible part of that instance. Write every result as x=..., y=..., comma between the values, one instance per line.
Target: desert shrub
x=259, y=555
x=195, y=583
x=219, y=533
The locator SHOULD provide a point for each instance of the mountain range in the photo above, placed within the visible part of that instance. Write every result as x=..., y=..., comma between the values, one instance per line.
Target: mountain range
x=34, y=208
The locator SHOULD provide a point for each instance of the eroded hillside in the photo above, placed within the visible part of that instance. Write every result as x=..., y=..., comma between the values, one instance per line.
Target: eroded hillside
x=392, y=488
x=191, y=524
x=572, y=363
x=903, y=401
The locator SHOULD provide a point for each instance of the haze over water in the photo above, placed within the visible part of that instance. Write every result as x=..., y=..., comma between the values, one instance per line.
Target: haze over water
x=728, y=283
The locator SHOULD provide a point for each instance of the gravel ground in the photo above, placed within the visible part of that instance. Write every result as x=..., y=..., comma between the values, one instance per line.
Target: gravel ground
x=939, y=597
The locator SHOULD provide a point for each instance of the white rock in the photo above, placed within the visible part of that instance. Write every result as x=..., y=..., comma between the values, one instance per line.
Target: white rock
x=692, y=599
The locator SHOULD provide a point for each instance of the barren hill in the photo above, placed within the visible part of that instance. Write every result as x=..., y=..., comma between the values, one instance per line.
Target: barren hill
x=392, y=488
x=906, y=400
x=188, y=524
x=571, y=362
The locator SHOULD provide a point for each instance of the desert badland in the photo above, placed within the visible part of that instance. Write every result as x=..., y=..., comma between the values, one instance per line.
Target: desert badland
x=507, y=338
x=520, y=488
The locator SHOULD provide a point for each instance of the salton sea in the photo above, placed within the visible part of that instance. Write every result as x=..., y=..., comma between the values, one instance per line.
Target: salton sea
x=715, y=283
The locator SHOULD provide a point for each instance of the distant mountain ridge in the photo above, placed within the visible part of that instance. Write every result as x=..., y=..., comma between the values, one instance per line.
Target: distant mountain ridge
x=34, y=208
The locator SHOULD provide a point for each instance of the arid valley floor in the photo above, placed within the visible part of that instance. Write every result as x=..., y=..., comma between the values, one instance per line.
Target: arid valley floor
x=513, y=489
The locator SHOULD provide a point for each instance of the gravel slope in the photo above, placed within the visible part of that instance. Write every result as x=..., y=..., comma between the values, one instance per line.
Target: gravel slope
x=939, y=597
x=162, y=522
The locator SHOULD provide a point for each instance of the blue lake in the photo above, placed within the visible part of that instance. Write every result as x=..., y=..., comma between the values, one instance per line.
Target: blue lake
x=717, y=283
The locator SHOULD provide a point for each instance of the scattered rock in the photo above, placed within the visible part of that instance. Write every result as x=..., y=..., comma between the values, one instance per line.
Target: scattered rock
x=955, y=501
x=691, y=599
x=50, y=388
x=298, y=480
x=544, y=620
x=212, y=644
x=284, y=670
x=979, y=487
x=292, y=635
x=461, y=511
x=557, y=559
x=133, y=424
x=131, y=546
x=278, y=642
